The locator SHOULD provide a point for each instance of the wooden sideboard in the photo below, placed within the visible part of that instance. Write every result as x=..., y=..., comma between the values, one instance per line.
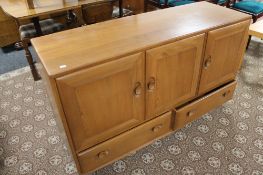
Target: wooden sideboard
x=120, y=84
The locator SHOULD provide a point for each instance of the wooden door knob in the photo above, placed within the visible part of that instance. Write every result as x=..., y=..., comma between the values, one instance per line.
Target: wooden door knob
x=138, y=89
x=103, y=154
x=208, y=62
x=157, y=128
x=151, y=84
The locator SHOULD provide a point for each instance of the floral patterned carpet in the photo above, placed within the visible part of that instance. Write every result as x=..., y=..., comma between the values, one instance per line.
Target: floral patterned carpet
x=228, y=140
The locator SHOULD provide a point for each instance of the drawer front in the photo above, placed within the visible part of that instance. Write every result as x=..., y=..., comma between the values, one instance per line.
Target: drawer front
x=201, y=106
x=110, y=150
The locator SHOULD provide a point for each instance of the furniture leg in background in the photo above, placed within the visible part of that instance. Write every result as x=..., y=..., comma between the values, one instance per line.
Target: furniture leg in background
x=71, y=18
x=120, y=8
x=30, y=60
x=25, y=42
x=35, y=21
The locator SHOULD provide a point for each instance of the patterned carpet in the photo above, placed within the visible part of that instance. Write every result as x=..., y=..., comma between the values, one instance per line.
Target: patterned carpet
x=228, y=140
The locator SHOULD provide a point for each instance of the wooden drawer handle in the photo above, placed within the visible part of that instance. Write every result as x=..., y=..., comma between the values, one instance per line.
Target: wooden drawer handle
x=103, y=154
x=226, y=93
x=138, y=89
x=208, y=62
x=151, y=84
x=157, y=128
x=190, y=113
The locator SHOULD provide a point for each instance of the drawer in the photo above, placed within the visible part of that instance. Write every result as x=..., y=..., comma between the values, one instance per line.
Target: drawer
x=112, y=149
x=203, y=105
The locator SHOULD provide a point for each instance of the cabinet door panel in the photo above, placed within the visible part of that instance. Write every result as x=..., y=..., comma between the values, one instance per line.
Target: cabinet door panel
x=172, y=73
x=224, y=51
x=103, y=101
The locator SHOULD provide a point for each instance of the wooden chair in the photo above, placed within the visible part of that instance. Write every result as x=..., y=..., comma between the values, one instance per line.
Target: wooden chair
x=251, y=7
x=8, y=29
x=11, y=32
x=165, y=3
x=28, y=32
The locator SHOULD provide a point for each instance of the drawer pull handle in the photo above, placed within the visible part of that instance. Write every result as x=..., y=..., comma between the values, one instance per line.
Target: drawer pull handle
x=190, y=113
x=151, y=84
x=157, y=128
x=103, y=154
x=226, y=93
x=208, y=62
x=138, y=89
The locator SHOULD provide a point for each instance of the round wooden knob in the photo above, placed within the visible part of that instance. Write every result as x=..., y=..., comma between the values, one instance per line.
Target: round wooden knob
x=157, y=128
x=103, y=154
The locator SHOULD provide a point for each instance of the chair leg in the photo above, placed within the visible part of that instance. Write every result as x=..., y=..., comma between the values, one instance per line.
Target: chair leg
x=30, y=61
x=254, y=18
x=249, y=39
x=71, y=19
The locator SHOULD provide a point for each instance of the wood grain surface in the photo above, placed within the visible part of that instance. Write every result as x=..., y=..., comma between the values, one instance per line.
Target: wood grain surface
x=87, y=46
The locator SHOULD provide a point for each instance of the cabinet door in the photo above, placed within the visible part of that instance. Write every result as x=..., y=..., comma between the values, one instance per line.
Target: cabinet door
x=103, y=101
x=224, y=51
x=172, y=73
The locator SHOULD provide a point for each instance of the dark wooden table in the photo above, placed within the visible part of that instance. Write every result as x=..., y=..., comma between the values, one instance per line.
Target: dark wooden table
x=20, y=10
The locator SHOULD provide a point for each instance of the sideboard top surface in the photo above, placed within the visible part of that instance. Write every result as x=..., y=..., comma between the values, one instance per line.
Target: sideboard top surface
x=70, y=50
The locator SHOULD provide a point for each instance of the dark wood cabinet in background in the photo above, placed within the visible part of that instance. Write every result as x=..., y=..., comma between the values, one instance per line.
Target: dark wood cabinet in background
x=137, y=6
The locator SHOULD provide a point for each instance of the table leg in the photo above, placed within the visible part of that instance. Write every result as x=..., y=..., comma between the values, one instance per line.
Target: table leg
x=120, y=8
x=71, y=17
x=36, y=23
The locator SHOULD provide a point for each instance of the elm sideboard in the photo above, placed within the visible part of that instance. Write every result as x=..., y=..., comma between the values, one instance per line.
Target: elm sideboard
x=120, y=84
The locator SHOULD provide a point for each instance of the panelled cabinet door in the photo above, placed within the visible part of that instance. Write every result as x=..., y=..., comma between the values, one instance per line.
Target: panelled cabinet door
x=172, y=74
x=103, y=101
x=224, y=52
